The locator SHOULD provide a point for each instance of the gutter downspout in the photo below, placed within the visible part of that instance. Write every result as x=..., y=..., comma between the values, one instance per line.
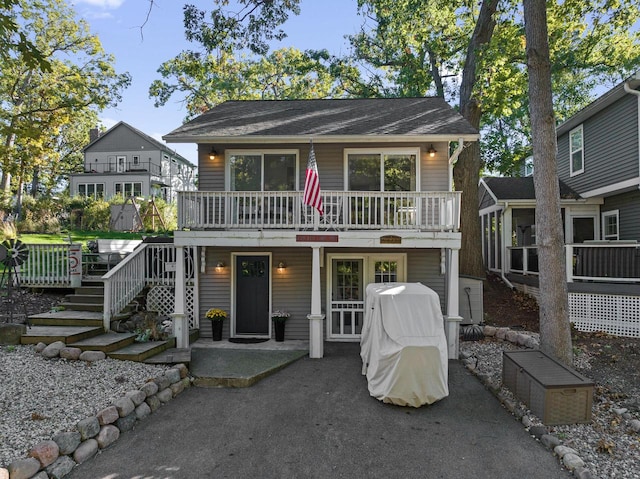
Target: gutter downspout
x=630, y=90
x=452, y=160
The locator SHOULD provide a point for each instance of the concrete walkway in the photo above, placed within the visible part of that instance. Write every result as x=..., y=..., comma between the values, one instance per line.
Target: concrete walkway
x=315, y=419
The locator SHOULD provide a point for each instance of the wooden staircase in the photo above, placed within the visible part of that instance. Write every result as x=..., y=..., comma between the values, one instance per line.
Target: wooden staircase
x=80, y=325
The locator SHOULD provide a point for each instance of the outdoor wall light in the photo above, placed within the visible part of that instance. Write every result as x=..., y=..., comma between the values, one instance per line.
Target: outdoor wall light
x=220, y=266
x=432, y=151
x=213, y=153
x=282, y=266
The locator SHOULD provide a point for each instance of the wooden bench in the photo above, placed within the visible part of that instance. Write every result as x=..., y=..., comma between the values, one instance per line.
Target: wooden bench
x=112, y=251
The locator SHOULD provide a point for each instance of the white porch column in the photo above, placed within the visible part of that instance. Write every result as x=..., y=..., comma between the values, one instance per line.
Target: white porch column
x=316, y=318
x=453, y=319
x=75, y=264
x=180, y=326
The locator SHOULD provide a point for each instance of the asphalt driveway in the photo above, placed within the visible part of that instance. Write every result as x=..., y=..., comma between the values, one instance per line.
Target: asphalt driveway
x=315, y=419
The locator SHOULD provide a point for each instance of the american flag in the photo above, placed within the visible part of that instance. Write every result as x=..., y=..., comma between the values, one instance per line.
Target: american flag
x=312, y=196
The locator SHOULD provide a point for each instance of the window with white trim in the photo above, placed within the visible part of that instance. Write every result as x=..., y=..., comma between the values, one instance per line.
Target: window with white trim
x=93, y=190
x=128, y=189
x=576, y=151
x=382, y=170
x=263, y=170
x=135, y=160
x=610, y=225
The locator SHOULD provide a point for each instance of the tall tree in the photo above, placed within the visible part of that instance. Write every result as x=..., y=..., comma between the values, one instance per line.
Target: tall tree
x=37, y=102
x=555, y=332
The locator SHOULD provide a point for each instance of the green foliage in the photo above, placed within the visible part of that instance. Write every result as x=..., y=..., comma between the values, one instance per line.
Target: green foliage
x=97, y=216
x=8, y=230
x=168, y=212
x=40, y=215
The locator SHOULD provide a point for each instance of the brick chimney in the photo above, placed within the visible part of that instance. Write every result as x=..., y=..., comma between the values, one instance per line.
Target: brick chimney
x=94, y=134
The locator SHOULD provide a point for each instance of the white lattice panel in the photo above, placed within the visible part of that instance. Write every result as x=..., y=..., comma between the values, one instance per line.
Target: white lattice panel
x=618, y=315
x=161, y=299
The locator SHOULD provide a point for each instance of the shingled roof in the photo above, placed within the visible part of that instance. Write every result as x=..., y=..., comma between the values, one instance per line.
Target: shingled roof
x=327, y=120
x=522, y=188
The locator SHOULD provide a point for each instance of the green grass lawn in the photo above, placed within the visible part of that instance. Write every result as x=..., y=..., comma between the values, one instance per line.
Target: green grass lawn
x=77, y=236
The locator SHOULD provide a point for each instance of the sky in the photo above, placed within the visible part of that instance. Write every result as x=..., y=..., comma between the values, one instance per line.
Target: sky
x=321, y=24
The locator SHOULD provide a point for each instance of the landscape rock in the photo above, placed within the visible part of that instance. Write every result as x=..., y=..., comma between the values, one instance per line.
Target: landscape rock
x=41, y=475
x=24, y=468
x=532, y=343
x=108, y=415
x=124, y=405
x=561, y=451
x=538, y=431
x=635, y=425
x=85, y=451
x=40, y=347
x=512, y=336
x=137, y=397
x=126, y=423
x=489, y=331
x=59, y=469
x=550, y=441
x=88, y=428
x=92, y=356
x=582, y=473
x=149, y=389
x=143, y=411
x=176, y=388
x=501, y=333
x=153, y=402
x=571, y=461
x=162, y=382
x=186, y=382
x=70, y=353
x=173, y=375
x=67, y=442
x=11, y=333
x=165, y=395
x=184, y=372
x=46, y=452
x=107, y=436
x=53, y=350
x=4, y=473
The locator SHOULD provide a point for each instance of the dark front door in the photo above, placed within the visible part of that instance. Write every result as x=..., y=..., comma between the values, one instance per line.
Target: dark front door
x=252, y=295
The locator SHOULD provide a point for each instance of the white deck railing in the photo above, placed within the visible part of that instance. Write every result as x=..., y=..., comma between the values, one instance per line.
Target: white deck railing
x=344, y=210
x=46, y=266
x=615, y=262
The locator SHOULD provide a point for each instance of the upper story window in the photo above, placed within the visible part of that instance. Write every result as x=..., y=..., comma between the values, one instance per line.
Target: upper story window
x=263, y=171
x=576, y=151
x=135, y=160
x=381, y=170
x=610, y=222
x=528, y=167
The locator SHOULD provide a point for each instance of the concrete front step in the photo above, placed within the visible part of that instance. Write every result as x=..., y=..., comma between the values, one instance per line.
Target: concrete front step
x=85, y=298
x=141, y=351
x=66, y=334
x=171, y=356
x=107, y=342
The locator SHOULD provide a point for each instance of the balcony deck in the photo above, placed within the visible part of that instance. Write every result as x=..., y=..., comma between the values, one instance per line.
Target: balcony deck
x=343, y=211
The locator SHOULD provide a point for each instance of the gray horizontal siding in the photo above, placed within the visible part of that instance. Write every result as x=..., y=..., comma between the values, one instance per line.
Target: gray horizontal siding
x=628, y=206
x=610, y=147
x=121, y=139
x=330, y=159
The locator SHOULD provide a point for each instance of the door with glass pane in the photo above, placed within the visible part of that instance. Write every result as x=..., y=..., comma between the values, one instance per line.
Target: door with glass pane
x=252, y=295
x=349, y=279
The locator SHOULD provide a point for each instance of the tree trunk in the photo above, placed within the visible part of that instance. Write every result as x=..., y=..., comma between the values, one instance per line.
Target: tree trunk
x=555, y=331
x=35, y=182
x=466, y=173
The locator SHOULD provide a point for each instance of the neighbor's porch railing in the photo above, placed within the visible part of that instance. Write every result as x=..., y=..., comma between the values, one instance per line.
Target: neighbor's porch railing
x=602, y=261
x=344, y=210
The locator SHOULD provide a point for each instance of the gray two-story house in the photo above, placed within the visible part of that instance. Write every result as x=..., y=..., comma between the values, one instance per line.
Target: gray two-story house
x=125, y=161
x=390, y=213
x=598, y=164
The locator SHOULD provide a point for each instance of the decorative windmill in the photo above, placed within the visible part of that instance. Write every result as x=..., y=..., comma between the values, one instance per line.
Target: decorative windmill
x=13, y=253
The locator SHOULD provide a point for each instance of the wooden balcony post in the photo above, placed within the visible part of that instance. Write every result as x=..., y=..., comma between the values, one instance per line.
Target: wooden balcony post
x=568, y=251
x=316, y=318
x=180, y=325
x=453, y=319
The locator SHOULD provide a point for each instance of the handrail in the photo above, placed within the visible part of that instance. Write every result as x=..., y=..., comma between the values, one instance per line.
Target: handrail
x=345, y=210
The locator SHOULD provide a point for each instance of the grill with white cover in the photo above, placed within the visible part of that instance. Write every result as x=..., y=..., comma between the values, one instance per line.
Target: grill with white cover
x=403, y=345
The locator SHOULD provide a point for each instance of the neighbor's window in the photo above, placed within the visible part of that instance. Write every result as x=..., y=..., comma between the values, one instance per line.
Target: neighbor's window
x=382, y=171
x=610, y=225
x=128, y=189
x=576, y=150
x=93, y=190
x=263, y=171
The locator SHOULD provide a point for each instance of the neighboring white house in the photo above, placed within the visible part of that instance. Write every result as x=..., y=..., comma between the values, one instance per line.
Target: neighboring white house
x=123, y=160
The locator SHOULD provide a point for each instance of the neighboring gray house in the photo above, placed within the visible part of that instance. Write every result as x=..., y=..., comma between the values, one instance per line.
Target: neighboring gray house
x=123, y=160
x=598, y=163
x=390, y=212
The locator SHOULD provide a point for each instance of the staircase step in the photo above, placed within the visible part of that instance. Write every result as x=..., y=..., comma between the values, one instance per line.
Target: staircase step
x=99, y=290
x=85, y=298
x=106, y=342
x=66, y=334
x=82, y=306
x=141, y=351
x=171, y=356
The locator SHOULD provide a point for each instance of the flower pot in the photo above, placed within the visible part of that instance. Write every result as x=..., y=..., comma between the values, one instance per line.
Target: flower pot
x=279, y=327
x=216, y=328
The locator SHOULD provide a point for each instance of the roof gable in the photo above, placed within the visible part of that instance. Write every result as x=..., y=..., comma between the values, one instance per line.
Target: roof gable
x=331, y=118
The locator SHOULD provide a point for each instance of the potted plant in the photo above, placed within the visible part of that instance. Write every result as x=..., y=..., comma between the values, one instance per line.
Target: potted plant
x=217, y=317
x=279, y=319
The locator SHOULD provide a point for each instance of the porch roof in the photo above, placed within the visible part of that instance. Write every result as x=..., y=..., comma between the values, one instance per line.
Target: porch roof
x=327, y=120
x=510, y=188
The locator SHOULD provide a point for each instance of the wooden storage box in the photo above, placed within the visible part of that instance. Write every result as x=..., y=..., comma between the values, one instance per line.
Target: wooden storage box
x=553, y=392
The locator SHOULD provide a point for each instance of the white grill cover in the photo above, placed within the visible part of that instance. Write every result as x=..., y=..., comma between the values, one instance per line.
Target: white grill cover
x=403, y=345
